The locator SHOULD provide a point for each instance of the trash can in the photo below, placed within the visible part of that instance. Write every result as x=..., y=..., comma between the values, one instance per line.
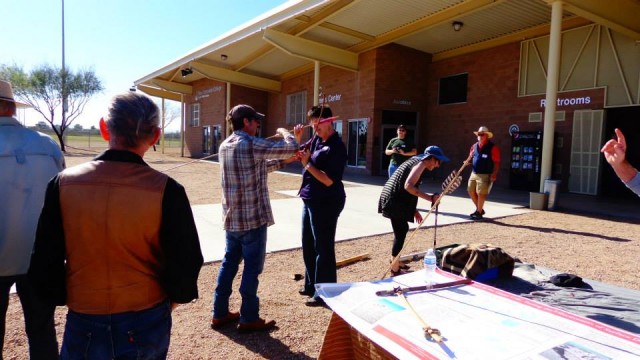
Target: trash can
x=537, y=201
x=552, y=188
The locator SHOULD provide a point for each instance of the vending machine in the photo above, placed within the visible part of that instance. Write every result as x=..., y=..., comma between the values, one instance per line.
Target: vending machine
x=526, y=156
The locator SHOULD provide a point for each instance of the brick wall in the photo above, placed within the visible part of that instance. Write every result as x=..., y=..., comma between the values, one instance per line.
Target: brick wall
x=401, y=84
x=492, y=93
x=340, y=88
x=394, y=77
x=211, y=95
x=492, y=100
x=385, y=75
x=365, y=96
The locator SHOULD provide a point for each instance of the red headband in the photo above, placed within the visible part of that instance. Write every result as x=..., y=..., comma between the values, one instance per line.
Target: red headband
x=327, y=120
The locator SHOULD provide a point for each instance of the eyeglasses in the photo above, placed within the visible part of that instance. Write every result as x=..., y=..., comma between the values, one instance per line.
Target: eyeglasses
x=481, y=134
x=402, y=130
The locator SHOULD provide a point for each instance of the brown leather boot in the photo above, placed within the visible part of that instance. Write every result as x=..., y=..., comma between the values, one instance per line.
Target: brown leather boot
x=258, y=325
x=229, y=318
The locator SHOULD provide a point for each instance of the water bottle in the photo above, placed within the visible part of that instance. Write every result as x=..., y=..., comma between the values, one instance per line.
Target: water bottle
x=429, y=266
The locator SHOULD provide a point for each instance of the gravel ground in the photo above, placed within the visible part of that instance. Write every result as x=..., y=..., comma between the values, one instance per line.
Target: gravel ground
x=601, y=249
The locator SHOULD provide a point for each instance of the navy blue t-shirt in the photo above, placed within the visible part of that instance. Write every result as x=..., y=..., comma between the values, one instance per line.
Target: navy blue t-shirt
x=331, y=157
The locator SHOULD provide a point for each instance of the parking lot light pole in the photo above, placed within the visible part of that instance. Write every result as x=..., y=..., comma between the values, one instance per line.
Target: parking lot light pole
x=63, y=77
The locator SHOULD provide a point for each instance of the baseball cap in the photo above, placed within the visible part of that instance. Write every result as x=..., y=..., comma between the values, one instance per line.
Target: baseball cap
x=434, y=151
x=245, y=111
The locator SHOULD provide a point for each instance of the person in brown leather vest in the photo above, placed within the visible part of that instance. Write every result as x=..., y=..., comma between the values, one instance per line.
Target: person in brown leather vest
x=117, y=243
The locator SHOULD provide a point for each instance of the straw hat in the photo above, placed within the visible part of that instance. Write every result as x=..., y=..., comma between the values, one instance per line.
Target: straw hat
x=6, y=94
x=484, y=130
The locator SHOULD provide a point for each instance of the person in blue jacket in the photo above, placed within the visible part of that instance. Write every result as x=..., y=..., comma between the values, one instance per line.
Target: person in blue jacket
x=28, y=160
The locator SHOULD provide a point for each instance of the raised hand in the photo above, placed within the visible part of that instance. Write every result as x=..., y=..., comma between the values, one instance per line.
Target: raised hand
x=615, y=149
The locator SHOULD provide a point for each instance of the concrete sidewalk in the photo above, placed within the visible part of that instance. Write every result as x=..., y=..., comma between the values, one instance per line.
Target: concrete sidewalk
x=359, y=218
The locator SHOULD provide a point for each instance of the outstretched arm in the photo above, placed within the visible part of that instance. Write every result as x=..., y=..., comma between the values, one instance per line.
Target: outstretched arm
x=615, y=153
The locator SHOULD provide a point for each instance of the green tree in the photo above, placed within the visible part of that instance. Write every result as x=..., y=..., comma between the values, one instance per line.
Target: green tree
x=46, y=88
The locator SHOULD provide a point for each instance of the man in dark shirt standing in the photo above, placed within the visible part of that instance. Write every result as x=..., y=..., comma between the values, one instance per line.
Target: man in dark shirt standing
x=116, y=242
x=486, y=164
x=400, y=149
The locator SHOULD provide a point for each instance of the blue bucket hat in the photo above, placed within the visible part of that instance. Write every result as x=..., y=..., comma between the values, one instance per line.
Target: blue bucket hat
x=434, y=151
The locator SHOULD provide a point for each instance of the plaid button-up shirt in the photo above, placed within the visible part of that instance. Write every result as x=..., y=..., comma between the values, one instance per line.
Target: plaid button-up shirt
x=244, y=163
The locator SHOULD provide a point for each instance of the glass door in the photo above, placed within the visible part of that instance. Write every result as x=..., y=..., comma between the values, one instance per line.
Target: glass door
x=357, y=142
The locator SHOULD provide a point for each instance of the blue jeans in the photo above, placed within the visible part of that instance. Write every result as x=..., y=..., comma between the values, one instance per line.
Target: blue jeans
x=392, y=168
x=251, y=246
x=319, y=222
x=38, y=318
x=131, y=335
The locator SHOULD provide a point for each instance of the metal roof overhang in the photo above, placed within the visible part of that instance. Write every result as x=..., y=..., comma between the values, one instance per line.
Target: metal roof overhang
x=288, y=40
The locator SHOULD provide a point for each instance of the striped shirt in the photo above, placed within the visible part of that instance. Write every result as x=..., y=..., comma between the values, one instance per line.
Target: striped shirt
x=395, y=201
x=244, y=163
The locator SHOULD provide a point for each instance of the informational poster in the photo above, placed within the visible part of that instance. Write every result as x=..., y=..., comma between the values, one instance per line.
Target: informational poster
x=476, y=321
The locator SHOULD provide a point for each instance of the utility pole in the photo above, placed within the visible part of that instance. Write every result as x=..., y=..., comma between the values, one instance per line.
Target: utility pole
x=63, y=76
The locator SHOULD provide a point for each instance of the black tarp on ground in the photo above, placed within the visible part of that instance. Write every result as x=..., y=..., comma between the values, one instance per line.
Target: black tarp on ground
x=609, y=304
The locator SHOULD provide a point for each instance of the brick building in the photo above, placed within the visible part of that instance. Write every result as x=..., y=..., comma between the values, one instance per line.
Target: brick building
x=441, y=68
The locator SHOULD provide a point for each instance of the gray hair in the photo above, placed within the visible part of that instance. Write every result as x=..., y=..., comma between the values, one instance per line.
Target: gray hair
x=133, y=118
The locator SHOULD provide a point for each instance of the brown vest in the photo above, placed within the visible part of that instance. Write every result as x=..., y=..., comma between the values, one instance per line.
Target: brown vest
x=111, y=213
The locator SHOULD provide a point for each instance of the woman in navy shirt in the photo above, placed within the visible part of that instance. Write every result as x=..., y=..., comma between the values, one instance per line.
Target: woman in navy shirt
x=324, y=158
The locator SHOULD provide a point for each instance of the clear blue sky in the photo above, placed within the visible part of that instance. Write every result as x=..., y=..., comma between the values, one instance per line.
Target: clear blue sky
x=120, y=40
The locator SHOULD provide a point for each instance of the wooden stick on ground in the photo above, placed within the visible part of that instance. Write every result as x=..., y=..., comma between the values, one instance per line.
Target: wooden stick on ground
x=340, y=263
x=352, y=260
x=412, y=257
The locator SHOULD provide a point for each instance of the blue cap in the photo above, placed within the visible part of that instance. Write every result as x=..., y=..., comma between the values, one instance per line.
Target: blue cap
x=434, y=151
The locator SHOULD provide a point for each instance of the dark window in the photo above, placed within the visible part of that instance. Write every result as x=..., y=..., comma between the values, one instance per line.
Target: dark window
x=453, y=89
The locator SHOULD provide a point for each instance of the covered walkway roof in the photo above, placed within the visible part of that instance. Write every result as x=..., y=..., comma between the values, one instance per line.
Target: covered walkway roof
x=286, y=41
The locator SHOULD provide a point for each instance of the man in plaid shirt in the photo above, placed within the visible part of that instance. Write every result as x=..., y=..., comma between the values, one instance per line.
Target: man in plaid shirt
x=245, y=161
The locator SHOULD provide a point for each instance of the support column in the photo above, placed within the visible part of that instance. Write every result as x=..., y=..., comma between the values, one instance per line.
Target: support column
x=182, y=119
x=552, y=92
x=316, y=83
x=164, y=117
x=227, y=126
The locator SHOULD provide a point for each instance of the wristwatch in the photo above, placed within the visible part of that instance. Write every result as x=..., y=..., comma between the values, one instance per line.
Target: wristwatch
x=306, y=167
